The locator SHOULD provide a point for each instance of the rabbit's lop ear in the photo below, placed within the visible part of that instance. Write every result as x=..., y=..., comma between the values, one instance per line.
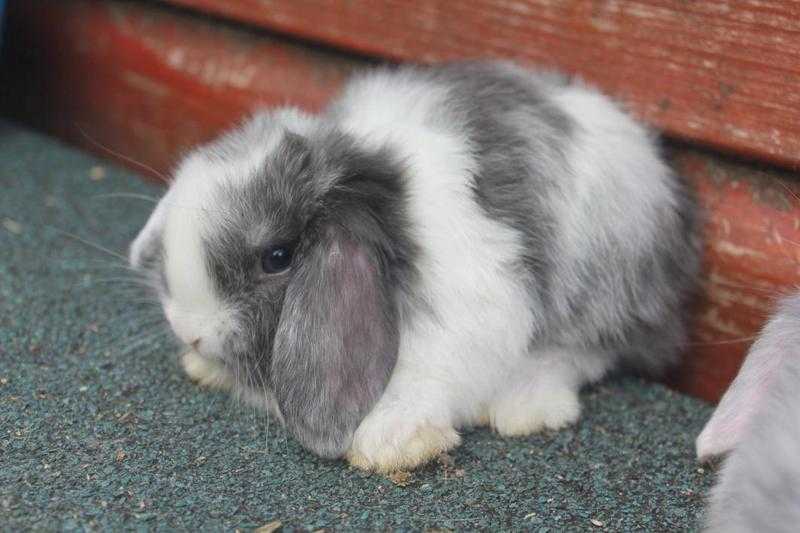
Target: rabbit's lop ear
x=145, y=248
x=744, y=400
x=336, y=343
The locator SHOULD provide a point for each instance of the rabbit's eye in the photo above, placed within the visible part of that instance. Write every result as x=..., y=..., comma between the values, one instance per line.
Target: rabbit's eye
x=276, y=258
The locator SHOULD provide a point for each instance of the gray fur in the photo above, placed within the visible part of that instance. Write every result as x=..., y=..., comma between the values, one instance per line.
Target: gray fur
x=518, y=138
x=617, y=306
x=323, y=194
x=323, y=335
x=759, y=485
x=336, y=343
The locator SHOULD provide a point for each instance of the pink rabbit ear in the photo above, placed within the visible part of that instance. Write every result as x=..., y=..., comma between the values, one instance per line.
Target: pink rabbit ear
x=745, y=398
x=738, y=406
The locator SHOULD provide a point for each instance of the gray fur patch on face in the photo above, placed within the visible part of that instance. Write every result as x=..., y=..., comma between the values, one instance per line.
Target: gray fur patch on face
x=322, y=335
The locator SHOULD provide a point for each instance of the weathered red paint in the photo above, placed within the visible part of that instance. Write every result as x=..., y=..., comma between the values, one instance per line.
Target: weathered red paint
x=752, y=257
x=722, y=73
x=148, y=83
x=145, y=83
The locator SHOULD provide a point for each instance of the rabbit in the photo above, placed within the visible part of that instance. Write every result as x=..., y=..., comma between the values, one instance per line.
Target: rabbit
x=442, y=247
x=757, y=424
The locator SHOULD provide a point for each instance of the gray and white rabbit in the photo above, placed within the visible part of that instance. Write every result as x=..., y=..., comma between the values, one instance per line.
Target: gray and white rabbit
x=442, y=247
x=757, y=423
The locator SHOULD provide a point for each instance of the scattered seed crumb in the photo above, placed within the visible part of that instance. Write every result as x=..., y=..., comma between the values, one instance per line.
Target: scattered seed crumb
x=596, y=522
x=269, y=528
x=529, y=516
x=12, y=226
x=448, y=464
x=121, y=455
x=97, y=173
x=401, y=478
x=446, y=460
x=83, y=388
x=3, y=381
x=701, y=470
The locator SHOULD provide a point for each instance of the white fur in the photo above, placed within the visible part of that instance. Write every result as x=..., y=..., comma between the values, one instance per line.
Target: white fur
x=542, y=392
x=191, y=306
x=448, y=361
x=454, y=364
x=617, y=172
x=618, y=184
x=465, y=359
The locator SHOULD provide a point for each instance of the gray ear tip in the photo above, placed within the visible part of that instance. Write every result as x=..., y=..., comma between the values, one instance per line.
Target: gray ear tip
x=331, y=452
x=328, y=445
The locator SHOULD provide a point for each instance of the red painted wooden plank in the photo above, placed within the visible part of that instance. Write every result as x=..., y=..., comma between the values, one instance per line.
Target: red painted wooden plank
x=722, y=73
x=149, y=83
x=752, y=257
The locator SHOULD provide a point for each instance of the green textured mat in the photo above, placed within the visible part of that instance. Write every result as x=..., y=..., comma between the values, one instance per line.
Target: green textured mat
x=100, y=430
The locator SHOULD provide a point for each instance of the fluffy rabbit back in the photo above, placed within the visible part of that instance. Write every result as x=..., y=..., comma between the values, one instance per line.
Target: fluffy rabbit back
x=607, y=233
x=553, y=243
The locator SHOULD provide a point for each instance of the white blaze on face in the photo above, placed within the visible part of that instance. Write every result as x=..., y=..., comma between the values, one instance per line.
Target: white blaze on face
x=192, y=305
x=190, y=210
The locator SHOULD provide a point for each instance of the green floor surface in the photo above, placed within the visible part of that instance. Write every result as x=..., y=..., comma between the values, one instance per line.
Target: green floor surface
x=99, y=430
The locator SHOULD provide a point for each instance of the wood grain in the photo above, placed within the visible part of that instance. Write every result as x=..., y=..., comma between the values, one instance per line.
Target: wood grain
x=724, y=73
x=752, y=258
x=149, y=83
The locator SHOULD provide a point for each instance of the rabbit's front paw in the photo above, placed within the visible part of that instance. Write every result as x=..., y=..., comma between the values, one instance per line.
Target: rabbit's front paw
x=205, y=372
x=374, y=451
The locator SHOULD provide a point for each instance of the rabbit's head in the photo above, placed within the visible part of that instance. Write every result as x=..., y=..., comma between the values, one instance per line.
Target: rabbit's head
x=277, y=252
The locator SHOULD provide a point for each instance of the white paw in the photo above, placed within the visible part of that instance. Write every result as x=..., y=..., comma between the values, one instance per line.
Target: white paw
x=534, y=409
x=384, y=447
x=205, y=372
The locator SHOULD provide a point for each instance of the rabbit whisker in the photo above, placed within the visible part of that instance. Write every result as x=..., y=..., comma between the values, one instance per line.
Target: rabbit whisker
x=89, y=243
x=130, y=160
x=133, y=195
